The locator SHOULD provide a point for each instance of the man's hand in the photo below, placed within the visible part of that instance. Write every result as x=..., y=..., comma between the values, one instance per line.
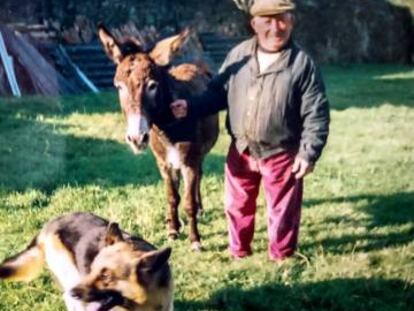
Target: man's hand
x=301, y=168
x=179, y=108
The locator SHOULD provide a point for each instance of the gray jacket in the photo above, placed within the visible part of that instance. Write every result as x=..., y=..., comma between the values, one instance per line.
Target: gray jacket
x=282, y=109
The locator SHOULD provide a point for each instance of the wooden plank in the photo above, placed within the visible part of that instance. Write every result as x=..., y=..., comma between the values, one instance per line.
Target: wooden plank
x=9, y=68
x=13, y=79
x=36, y=74
x=78, y=71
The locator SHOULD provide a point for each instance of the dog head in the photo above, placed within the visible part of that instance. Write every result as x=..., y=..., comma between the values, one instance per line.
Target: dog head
x=124, y=278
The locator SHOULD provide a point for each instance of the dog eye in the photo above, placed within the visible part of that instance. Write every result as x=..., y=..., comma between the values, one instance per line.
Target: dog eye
x=105, y=276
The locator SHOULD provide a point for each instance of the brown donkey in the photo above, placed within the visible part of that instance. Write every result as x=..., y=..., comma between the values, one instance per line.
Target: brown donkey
x=147, y=84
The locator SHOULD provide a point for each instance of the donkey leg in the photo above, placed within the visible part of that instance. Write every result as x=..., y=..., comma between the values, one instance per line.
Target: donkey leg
x=172, y=182
x=173, y=205
x=200, y=208
x=190, y=175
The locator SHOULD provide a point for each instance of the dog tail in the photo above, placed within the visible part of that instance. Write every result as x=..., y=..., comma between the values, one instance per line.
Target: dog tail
x=24, y=266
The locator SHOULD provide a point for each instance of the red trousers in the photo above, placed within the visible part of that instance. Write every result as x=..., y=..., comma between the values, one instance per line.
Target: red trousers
x=283, y=193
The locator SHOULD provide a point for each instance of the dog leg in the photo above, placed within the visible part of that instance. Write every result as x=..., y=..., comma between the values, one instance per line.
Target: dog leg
x=73, y=304
x=60, y=261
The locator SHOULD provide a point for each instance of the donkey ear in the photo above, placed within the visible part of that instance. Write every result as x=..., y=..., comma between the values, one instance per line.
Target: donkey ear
x=110, y=44
x=113, y=234
x=164, y=51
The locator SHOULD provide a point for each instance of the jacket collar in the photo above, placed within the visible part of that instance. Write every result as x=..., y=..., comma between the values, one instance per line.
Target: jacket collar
x=281, y=64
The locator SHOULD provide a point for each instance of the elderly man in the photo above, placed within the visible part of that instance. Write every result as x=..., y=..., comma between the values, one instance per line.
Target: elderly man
x=278, y=119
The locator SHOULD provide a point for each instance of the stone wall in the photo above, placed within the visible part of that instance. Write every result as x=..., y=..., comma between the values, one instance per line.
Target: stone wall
x=331, y=30
x=356, y=30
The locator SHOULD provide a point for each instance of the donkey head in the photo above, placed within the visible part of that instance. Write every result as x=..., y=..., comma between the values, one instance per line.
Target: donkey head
x=142, y=82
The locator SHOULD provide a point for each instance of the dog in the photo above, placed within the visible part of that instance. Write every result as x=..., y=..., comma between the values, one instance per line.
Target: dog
x=98, y=266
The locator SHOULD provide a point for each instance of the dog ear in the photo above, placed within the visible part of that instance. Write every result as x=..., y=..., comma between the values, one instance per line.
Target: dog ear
x=151, y=263
x=113, y=234
x=164, y=51
x=110, y=44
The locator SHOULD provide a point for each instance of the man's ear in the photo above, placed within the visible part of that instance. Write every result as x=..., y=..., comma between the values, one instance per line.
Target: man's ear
x=110, y=44
x=113, y=234
x=164, y=51
x=292, y=17
x=253, y=24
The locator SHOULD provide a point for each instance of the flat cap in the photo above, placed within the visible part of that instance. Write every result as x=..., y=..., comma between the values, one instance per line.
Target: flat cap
x=271, y=7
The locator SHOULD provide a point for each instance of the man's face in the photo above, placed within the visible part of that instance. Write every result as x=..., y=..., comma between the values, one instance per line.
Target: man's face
x=273, y=31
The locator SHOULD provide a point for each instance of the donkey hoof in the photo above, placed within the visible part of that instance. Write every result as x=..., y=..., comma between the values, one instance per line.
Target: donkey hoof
x=200, y=213
x=196, y=246
x=172, y=235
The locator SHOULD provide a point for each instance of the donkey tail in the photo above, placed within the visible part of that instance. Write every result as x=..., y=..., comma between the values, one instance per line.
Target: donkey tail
x=24, y=266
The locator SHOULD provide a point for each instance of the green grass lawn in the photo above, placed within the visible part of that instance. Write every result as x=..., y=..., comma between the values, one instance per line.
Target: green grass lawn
x=356, y=246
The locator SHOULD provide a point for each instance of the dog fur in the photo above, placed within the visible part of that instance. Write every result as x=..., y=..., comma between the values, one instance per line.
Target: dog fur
x=98, y=266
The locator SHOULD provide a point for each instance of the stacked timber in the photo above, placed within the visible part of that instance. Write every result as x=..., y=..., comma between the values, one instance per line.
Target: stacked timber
x=44, y=32
x=43, y=65
x=34, y=74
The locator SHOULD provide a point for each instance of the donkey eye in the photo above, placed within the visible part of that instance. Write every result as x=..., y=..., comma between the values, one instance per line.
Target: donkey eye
x=152, y=86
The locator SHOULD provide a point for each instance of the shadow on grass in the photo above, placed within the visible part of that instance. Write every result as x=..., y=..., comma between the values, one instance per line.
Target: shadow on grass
x=34, y=155
x=339, y=294
x=383, y=211
x=32, y=106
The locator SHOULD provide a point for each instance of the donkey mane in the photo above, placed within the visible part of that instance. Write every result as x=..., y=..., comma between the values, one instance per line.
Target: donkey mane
x=129, y=46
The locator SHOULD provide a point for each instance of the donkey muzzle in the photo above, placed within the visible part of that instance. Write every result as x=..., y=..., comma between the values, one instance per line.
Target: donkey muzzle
x=137, y=142
x=137, y=135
